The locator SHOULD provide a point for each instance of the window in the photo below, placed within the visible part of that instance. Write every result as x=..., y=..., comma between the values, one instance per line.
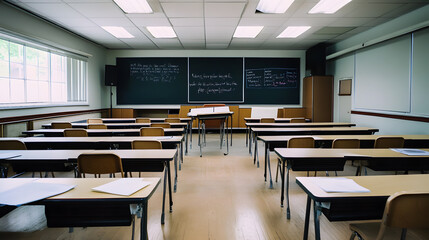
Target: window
x=32, y=75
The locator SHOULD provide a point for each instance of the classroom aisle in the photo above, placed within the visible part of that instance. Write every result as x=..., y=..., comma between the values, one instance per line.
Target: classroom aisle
x=218, y=197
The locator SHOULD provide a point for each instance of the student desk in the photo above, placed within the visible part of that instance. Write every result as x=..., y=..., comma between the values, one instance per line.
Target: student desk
x=250, y=126
x=308, y=131
x=82, y=207
x=325, y=141
x=132, y=161
x=103, y=132
x=130, y=126
x=64, y=143
x=333, y=159
x=201, y=117
x=356, y=206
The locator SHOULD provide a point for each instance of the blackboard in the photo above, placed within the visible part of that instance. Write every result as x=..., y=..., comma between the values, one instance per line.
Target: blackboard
x=152, y=80
x=272, y=80
x=215, y=80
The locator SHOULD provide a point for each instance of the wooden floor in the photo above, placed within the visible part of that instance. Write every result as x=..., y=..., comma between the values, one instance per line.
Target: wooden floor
x=218, y=197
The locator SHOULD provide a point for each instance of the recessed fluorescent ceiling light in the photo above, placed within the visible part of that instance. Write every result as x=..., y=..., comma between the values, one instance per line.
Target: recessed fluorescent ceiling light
x=247, y=31
x=118, y=32
x=162, y=32
x=273, y=6
x=293, y=32
x=328, y=6
x=134, y=6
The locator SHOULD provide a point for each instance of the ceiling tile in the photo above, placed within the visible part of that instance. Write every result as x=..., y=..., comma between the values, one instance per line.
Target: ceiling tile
x=190, y=32
x=223, y=10
x=218, y=22
x=55, y=10
x=187, y=22
x=188, y=10
x=144, y=22
x=98, y=10
x=119, y=22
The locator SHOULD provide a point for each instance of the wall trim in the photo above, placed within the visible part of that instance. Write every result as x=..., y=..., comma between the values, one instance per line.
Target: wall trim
x=26, y=118
x=401, y=117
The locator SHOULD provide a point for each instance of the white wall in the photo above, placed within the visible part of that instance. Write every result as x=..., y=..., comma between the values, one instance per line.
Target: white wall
x=113, y=54
x=345, y=67
x=14, y=20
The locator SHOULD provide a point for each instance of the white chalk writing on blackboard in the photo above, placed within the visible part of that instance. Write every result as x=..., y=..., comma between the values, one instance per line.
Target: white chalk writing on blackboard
x=164, y=73
x=272, y=78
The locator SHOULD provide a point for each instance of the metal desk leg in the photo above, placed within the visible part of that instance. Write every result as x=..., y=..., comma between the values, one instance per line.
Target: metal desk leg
x=190, y=131
x=307, y=217
x=221, y=132
x=287, y=195
x=227, y=145
x=256, y=156
x=143, y=221
x=169, y=186
x=186, y=139
x=231, y=127
x=250, y=141
x=267, y=159
x=247, y=135
x=175, y=172
x=163, y=194
x=266, y=164
x=282, y=195
x=181, y=155
x=199, y=139
x=317, y=208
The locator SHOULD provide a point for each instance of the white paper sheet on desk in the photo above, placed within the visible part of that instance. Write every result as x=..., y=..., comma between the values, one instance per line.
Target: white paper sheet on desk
x=123, y=186
x=411, y=151
x=8, y=155
x=31, y=192
x=339, y=185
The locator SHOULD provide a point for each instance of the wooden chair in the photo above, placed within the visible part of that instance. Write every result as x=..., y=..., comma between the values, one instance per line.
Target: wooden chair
x=99, y=163
x=172, y=120
x=404, y=211
x=61, y=125
x=297, y=120
x=97, y=126
x=151, y=131
x=95, y=121
x=75, y=132
x=296, y=142
x=267, y=120
x=11, y=144
x=162, y=125
x=145, y=144
x=347, y=143
x=389, y=142
x=142, y=120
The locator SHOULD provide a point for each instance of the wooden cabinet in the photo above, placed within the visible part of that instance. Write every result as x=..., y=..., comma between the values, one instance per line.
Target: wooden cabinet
x=318, y=98
x=122, y=113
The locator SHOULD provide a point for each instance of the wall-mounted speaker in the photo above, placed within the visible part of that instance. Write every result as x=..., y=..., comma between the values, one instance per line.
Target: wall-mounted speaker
x=110, y=75
x=315, y=58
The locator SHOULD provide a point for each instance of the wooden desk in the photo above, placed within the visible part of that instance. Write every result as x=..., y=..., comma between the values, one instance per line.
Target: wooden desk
x=250, y=126
x=357, y=206
x=120, y=125
x=333, y=159
x=102, y=132
x=201, y=117
x=65, y=210
x=325, y=141
x=133, y=120
x=68, y=143
x=308, y=131
x=132, y=161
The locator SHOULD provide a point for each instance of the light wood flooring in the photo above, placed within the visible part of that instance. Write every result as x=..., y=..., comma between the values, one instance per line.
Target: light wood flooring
x=218, y=197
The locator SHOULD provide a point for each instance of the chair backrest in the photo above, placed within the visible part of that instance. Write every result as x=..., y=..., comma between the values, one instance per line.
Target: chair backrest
x=172, y=120
x=264, y=112
x=345, y=143
x=297, y=120
x=97, y=126
x=142, y=120
x=61, y=125
x=389, y=142
x=161, y=125
x=301, y=142
x=151, y=131
x=94, y=120
x=99, y=163
x=12, y=144
x=268, y=120
x=75, y=132
x=146, y=144
x=406, y=210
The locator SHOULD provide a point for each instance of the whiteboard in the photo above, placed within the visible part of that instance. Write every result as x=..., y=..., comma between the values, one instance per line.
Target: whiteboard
x=264, y=112
x=420, y=84
x=382, y=76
